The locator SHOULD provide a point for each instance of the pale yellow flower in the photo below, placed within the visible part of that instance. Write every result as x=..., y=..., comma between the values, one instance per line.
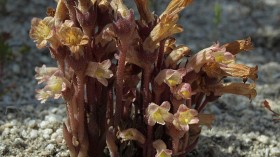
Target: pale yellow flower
x=214, y=53
x=185, y=116
x=170, y=77
x=74, y=38
x=42, y=31
x=183, y=91
x=43, y=73
x=159, y=114
x=161, y=149
x=132, y=134
x=100, y=71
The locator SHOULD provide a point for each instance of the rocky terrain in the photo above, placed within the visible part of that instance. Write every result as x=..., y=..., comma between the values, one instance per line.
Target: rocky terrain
x=242, y=128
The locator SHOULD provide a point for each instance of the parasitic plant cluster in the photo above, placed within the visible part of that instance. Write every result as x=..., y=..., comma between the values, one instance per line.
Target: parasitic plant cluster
x=129, y=89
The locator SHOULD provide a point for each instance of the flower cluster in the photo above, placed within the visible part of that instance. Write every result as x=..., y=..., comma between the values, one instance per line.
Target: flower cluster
x=128, y=86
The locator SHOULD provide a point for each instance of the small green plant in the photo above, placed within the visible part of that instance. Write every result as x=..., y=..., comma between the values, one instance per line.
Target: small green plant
x=129, y=89
x=217, y=13
x=5, y=53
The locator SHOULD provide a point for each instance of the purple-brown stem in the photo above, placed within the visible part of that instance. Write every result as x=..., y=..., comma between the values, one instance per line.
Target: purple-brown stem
x=185, y=142
x=175, y=145
x=146, y=101
x=119, y=83
x=202, y=106
x=149, y=141
x=81, y=106
x=68, y=139
x=198, y=100
x=160, y=56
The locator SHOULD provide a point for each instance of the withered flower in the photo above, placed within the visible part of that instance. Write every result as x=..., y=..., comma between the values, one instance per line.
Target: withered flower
x=175, y=6
x=144, y=11
x=74, y=38
x=170, y=77
x=242, y=71
x=119, y=7
x=239, y=45
x=159, y=114
x=161, y=149
x=177, y=54
x=100, y=71
x=132, y=134
x=185, y=116
x=61, y=12
x=42, y=31
x=247, y=90
x=169, y=45
x=166, y=27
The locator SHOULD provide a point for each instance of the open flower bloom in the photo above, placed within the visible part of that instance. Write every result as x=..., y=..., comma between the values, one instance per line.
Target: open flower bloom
x=183, y=91
x=185, y=116
x=132, y=134
x=100, y=71
x=43, y=95
x=161, y=149
x=170, y=77
x=42, y=31
x=247, y=90
x=54, y=86
x=159, y=114
x=74, y=38
x=215, y=53
x=43, y=73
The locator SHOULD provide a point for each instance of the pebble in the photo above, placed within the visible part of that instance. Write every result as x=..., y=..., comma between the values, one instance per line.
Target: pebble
x=19, y=142
x=3, y=148
x=214, y=109
x=240, y=106
x=29, y=108
x=275, y=152
x=16, y=68
x=32, y=123
x=33, y=134
x=44, y=124
x=24, y=134
x=14, y=122
x=47, y=133
x=50, y=147
x=6, y=132
x=263, y=139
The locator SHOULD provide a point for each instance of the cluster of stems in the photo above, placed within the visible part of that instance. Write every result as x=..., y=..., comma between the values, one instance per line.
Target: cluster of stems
x=129, y=89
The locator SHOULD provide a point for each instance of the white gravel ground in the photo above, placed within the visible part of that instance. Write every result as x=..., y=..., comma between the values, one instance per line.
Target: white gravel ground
x=242, y=128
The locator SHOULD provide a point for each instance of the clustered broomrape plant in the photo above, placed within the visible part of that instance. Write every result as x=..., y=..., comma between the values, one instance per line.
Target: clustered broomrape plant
x=129, y=89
